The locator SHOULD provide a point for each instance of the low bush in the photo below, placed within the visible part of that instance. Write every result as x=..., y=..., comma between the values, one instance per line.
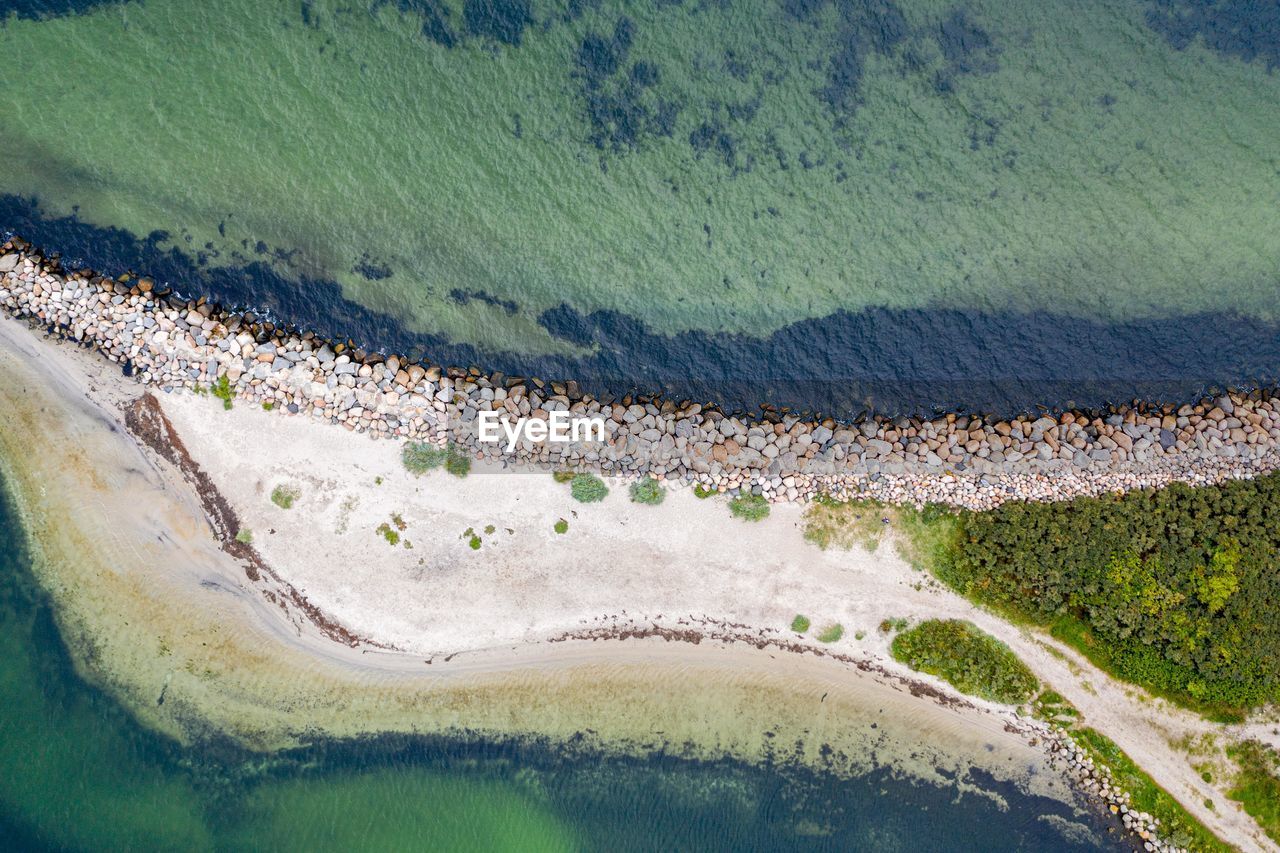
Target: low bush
x=588, y=488
x=969, y=659
x=647, y=490
x=800, y=624
x=284, y=496
x=562, y=526
x=223, y=391
x=457, y=462
x=831, y=633
x=419, y=457
x=749, y=507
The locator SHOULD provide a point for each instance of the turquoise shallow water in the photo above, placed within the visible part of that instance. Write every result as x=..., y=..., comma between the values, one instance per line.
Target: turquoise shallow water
x=832, y=205
x=77, y=774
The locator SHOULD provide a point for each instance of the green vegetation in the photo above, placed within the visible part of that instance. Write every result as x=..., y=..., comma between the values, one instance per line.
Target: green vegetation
x=419, y=457
x=223, y=391
x=284, y=496
x=800, y=624
x=1174, y=589
x=893, y=624
x=588, y=488
x=267, y=405
x=831, y=633
x=564, y=476
x=474, y=542
x=1050, y=706
x=245, y=537
x=647, y=490
x=457, y=462
x=749, y=507
x=969, y=659
x=701, y=492
x=398, y=520
x=1257, y=784
x=489, y=528
x=843, y=524
x=385, y=531
x=1177, y=826
x=561, y=526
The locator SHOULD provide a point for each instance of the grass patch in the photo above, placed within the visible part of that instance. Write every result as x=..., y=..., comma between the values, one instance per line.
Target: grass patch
x=387, y=533
x=749, y=507
x=800, y=624
x=969, y=659
x=893, y=624
x=843, y=524
x=561, y=527
x=284, y=496
x=1257, y=784
x=223, y=391
x=245, y=537
x=457, y=462
x=419, y=457
x=474, y=542
x=648, y=491
x=1177, y=826
x=831, y=633
x=588, y=488
x=564, y=476
x=267, y=405
x=702, y=492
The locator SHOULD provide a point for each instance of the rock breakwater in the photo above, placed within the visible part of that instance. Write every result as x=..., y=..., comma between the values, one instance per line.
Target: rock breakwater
x=171, y=343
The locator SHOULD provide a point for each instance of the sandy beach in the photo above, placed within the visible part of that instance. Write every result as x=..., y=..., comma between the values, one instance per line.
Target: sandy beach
x=494, y=639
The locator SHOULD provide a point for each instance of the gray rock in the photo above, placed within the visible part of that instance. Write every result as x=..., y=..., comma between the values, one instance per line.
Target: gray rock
x=9, y=262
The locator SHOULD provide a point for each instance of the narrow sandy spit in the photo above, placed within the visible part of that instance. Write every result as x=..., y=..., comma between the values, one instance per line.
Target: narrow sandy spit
x=152, y=605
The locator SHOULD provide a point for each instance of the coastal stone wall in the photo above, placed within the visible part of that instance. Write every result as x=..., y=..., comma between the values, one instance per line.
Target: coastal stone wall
x=172, y=343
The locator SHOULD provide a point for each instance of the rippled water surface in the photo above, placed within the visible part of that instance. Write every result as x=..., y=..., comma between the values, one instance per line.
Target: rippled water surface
x=830, y=204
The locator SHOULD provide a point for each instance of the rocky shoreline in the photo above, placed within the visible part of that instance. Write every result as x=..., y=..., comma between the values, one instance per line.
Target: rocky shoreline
x=171, y=343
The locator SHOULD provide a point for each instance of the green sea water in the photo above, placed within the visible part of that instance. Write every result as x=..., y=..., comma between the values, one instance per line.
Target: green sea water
x=727, y=166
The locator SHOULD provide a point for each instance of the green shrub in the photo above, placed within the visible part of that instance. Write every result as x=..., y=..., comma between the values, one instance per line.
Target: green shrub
x=474, y=542
x=561, y=526
x=419, y=457
x=284, y=496
x=245, y=537
x=749, y=507
x=588, y=488
x=647, y=490
x=1257, y=784
x=800, y=624
x=969, y=659
x=457, y=462
x=831, y=633
x=701, y=492
x=895, y=624
x=1174, y=589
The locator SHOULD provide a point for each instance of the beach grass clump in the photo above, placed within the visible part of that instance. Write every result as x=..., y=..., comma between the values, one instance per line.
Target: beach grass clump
x=457, y=462
x=800, y=624
x=222, y=389
x=831, y=633
x=749, y=507
x=474, y=542
x=244, y=536
x=388, y=533
x=561, y=527
x=1257, y=784
x=702, y=492
x=588, y=488
x=648, y=491
x=894, y=623
x=268, y=406
x=967, y=658
x=564, y=476
x=284, y=496
x=1177, y=826
x=842, y=524
x=419, y=457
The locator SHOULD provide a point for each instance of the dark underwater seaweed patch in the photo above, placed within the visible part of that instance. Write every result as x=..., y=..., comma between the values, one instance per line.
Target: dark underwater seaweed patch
x=1247, y=29
x=500, y=20
x=911, y=362
x=622, y=102
x=39, y=10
